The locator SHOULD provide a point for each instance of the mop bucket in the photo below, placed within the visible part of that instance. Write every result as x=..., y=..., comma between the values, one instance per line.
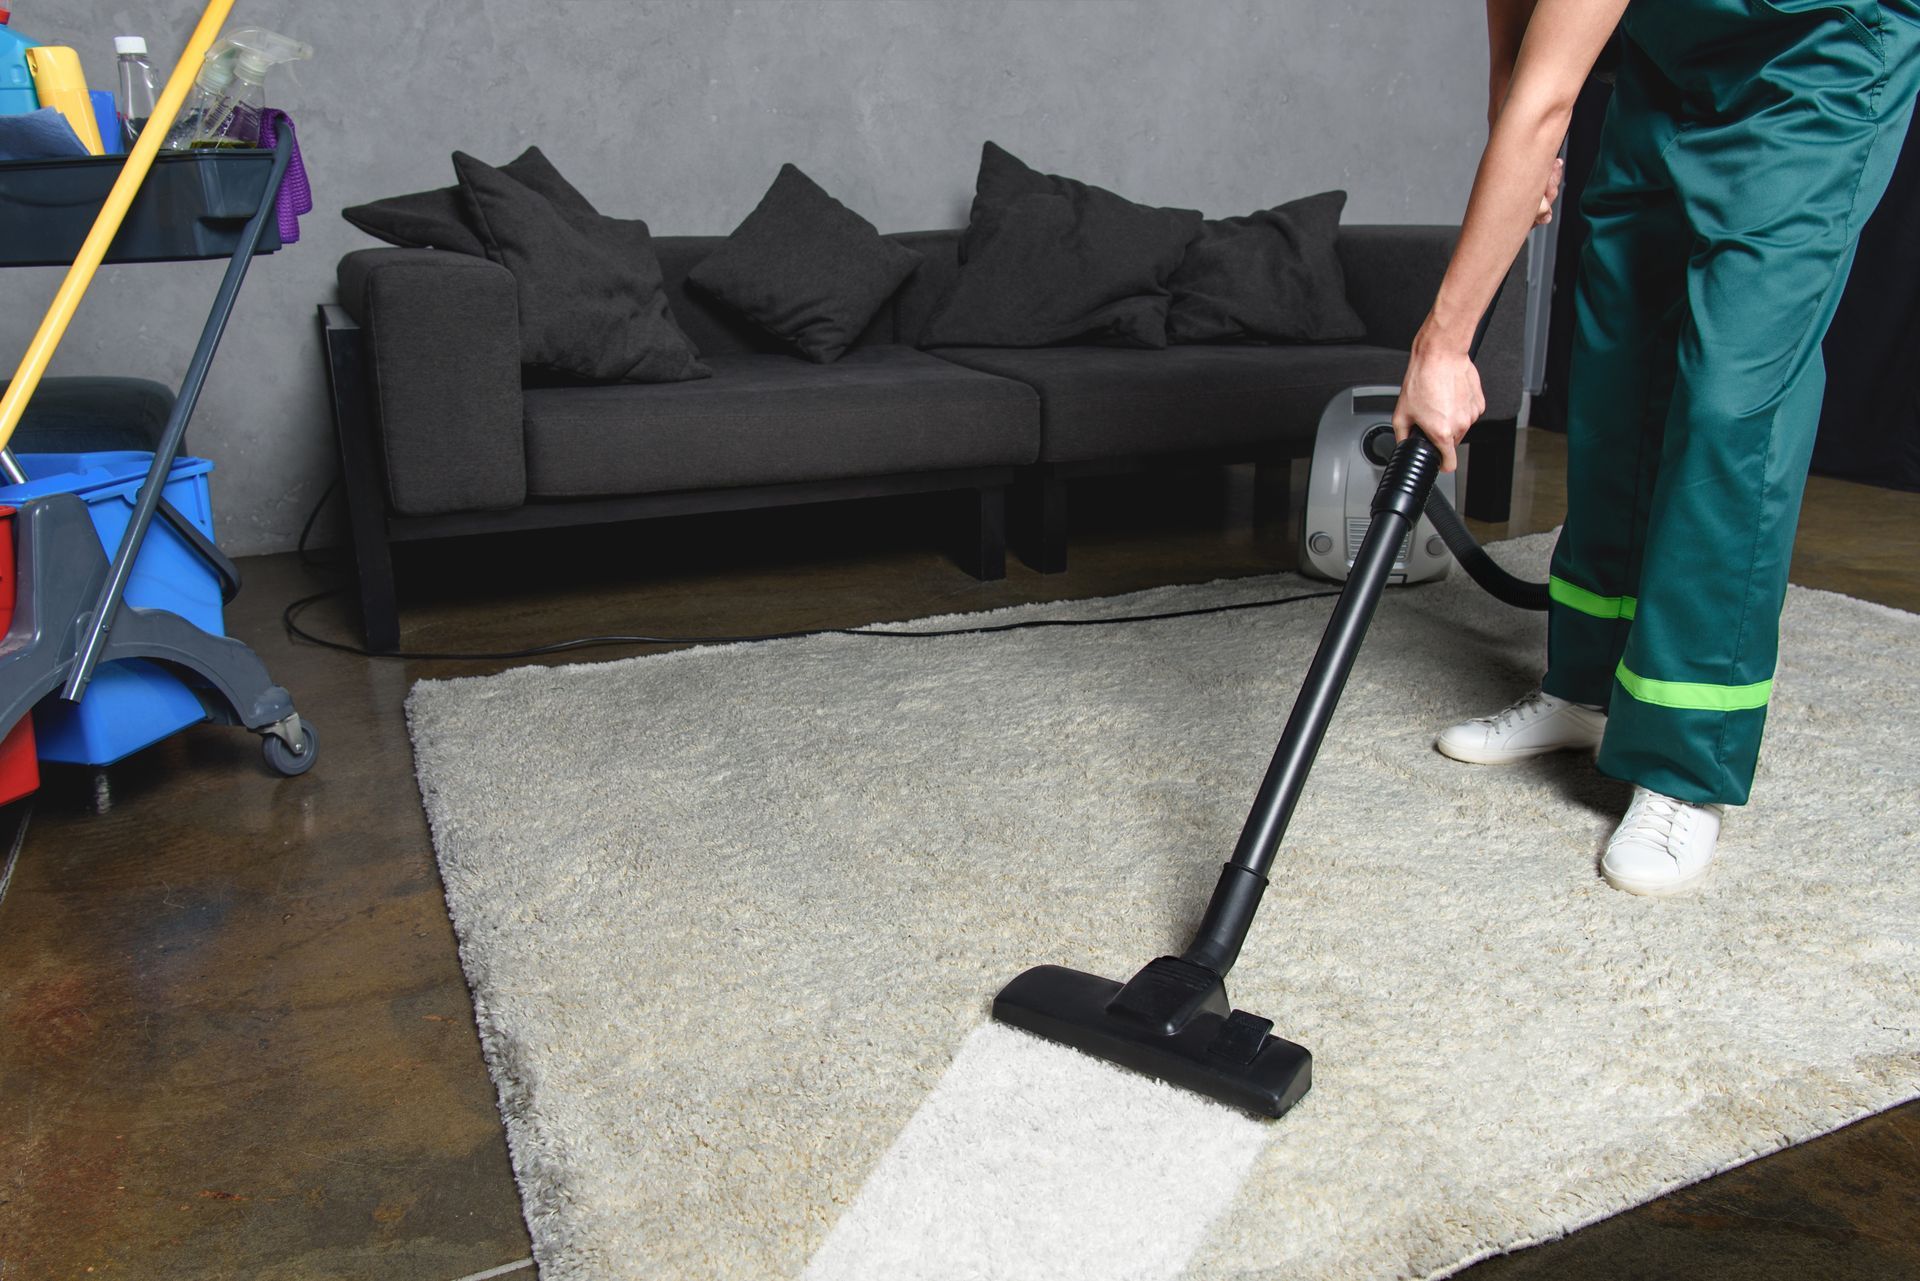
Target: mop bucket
x=19, y=771
x=132, y=703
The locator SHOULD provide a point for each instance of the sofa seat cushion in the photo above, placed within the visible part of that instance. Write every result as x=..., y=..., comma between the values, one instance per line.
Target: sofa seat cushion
x=775, y=419
x=1101, y=402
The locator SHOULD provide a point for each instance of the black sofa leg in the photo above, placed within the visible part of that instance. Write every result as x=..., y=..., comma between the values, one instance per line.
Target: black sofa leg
x=985, y=554
x=1044, y=539
x=366, y=489
x=379, y=607
x=1272, y=496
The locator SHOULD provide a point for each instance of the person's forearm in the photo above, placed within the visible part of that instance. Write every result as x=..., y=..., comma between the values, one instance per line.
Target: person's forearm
x=1559, y=48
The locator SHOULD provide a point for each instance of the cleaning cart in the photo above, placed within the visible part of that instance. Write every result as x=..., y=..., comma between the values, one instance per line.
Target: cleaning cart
x=82, y=620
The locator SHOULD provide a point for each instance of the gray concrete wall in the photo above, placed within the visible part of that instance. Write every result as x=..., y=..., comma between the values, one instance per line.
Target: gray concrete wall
x=681, y=111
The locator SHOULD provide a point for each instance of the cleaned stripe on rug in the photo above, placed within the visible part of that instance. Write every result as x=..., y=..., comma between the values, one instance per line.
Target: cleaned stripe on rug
x=1033, y=1162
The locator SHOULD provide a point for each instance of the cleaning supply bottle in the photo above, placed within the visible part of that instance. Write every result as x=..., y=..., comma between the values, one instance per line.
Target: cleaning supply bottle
x=205, y=100
x=59, y=83
x=16, y=81
x=107, y=120
x=133, y=105
x=230, y=92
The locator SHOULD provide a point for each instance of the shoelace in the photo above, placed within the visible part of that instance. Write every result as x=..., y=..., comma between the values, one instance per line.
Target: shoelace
x=1654, y=816
x=1534, y=704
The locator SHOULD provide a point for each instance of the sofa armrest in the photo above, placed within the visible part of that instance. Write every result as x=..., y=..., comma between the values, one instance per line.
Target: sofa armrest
x=1392, y=275
x=442, y=341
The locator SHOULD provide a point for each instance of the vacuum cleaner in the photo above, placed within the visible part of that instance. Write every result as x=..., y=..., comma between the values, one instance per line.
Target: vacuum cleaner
x=1350, y=447
x=1172, y=1020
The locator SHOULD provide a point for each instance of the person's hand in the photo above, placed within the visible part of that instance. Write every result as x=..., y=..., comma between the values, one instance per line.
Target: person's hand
x=1554, y=174
x=1441, y=393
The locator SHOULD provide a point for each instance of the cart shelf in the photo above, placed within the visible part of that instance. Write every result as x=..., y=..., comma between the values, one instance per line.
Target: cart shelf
x=71, y=615
x=193, y=204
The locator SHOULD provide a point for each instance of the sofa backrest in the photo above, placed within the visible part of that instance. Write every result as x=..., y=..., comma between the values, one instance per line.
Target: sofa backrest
x=929, y=284
x=717, y=331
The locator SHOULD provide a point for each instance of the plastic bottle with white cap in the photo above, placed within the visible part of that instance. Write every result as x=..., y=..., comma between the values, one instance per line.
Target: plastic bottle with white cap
x=133, y=103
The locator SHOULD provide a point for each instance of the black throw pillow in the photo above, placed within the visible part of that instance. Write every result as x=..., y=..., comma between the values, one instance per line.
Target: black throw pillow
x=805, y=268
x=1272, y=276
x=1048, y=260
x=1002, y=179
x=438, y=219
x=589, y=288
x=423, y=220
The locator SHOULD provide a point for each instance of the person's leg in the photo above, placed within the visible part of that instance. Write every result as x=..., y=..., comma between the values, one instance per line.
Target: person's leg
x=1627, y=309
x=1776, y=198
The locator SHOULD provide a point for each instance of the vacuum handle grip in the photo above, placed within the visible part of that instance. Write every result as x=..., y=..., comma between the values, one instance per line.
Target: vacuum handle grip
x=1408, y=477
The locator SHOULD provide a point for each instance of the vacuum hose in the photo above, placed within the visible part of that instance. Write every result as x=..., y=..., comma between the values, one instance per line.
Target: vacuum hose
x=1482, y=568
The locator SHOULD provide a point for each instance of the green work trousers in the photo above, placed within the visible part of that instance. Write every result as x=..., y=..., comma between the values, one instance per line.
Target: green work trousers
x=1746, y=144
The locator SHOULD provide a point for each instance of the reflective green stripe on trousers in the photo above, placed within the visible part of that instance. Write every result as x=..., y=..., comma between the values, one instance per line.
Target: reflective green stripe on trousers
x=1747, y=143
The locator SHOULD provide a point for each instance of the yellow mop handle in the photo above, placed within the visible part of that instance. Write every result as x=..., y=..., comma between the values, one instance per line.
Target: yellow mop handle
x=53, y=326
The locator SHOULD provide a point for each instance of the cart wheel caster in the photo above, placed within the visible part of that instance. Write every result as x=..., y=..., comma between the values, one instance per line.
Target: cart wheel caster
x=287, y=761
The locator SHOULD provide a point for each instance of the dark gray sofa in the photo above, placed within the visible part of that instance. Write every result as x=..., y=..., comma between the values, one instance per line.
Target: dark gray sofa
x=440, y=437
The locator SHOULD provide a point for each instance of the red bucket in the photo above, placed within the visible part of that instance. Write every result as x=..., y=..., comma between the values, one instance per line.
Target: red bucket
x=19, y=771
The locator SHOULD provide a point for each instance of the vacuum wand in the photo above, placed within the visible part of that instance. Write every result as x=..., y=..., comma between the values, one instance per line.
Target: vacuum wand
x=1397, y=505
x=1172, y=1019
x=1406, y=490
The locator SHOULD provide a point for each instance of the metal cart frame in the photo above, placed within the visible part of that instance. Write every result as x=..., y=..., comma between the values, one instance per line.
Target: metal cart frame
x=70, y=613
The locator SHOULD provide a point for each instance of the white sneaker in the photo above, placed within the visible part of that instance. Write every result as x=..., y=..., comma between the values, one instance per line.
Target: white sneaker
x=1662, y=846
x=1537, y=724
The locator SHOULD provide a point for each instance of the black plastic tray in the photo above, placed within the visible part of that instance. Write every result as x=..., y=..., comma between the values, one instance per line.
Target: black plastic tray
x=192, y=205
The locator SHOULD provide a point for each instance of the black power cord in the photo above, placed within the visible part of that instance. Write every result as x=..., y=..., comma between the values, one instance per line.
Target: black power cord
x=290, y=619
x=306, y=531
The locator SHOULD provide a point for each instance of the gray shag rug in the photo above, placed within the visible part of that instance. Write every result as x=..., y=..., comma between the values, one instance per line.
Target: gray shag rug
x=733, y=917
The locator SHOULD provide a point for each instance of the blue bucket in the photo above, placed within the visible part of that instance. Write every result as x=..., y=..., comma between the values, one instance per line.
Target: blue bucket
x=132, y=703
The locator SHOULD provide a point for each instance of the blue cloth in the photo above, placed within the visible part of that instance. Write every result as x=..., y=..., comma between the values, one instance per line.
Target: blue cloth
x=38, y=135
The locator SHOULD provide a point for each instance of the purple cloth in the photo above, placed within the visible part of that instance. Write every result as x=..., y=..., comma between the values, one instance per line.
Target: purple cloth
x=296, y=196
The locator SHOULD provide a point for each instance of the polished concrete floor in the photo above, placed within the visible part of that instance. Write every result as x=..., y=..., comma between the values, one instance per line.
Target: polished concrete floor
x=234, y=1036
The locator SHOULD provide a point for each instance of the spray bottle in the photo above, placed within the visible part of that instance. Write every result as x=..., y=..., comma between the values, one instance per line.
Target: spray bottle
x=229, y=93
x=16, y=81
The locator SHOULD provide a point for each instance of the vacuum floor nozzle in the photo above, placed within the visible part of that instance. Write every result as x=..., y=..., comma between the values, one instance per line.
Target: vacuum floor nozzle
x=1171, y=1021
